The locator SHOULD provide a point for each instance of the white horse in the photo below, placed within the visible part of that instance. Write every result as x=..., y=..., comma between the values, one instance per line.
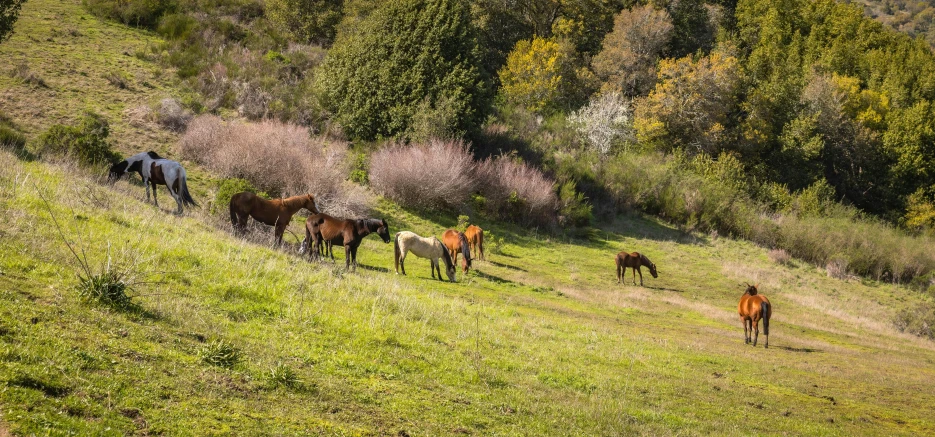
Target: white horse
x=430, y=248
x=155, y=169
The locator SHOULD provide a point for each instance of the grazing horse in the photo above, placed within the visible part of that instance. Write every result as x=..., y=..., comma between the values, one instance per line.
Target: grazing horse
x=753, y=307
x=156, y=170
x=276, y=212
x=456, y=241
x=633, y=260
x=475, y=237
x=422, y=247
x=320, y=228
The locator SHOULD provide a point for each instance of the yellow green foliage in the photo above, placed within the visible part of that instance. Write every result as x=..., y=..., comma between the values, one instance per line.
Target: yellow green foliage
x=541, y=75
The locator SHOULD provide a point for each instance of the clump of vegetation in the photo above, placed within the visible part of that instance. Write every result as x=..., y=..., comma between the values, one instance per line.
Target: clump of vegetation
x=281, y=375
x=516, y=191
x=25, y=74
x=433, y=175
x=10, y=137
x=132, y=13
x=918, y=320
x=220, y=353
x=227, y=188
x=108, y=288
x=780, y=256
x=86, y=141
x=463, y=222
x=172, y=115
x=118, y=78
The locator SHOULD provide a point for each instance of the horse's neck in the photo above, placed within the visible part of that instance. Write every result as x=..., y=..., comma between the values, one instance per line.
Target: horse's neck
x=293, y=204
x=645, y=261
x=363, y=227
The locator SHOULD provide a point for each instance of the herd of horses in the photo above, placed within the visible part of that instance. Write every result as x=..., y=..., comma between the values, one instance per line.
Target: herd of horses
x=323, y=231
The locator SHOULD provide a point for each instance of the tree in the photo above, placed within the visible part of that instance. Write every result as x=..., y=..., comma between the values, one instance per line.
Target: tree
x=605, y=121
x=627, y=61
x=542, y=76
x=693, y=105
x=311, y=21
x=9, y=12
x=405, y=56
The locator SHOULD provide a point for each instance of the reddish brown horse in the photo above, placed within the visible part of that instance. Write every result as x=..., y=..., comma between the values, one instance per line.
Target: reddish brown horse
x=633, y=260
x=752, y=308
x=276, y=212
x=475, y=237
x=456, y=241
x=323, y=228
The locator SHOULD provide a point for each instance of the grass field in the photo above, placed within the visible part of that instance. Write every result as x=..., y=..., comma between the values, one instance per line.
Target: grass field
x=538, y=340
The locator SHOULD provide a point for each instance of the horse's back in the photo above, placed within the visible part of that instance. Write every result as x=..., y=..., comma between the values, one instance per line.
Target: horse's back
x=628, y=259
x=753, y=306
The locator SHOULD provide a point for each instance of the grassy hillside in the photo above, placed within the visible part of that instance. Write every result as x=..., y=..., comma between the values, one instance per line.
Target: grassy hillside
x=538, y=340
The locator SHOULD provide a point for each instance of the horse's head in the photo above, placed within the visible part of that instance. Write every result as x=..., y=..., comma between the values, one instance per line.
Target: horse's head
x=652, y=270
x=751, y=290
x=384, y=231
x=117, y=170
x=310, y=204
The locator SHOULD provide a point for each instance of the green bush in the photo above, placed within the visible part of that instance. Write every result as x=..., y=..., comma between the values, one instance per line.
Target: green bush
x=177, y=26
x=918, y=320
x=86, y=142
x=574, y=206
x=139, y=13
x=227, y=188
x=10, y=136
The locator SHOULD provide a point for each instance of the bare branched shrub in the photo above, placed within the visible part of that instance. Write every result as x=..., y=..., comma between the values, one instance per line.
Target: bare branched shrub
x=277, y=158
x=517, y=190
x=780, y=256
x=172, y=116
x=435, y=174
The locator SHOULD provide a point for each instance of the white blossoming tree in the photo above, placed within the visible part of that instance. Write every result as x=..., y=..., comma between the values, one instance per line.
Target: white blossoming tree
x=606, y=120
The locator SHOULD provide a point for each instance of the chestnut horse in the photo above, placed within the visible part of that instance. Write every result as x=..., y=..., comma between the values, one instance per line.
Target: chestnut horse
x=456, y=241
x=752, y=308
x=633, y=260
x=276, y=212
x=422, y=247
x=322, y=228
x=475, y=237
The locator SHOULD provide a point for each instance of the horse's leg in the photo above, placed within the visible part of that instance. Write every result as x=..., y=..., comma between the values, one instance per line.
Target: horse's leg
x=402, y=261
x=354, y=256
x=766, y=331
x=280, y=229
x=155, y=200
x=347, y=256
x=756, y=329
x=641, y=275
x=746, y=337
x=634, y=275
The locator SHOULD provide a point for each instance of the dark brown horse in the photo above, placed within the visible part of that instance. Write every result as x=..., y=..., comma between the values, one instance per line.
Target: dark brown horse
x=456, y=241
x=633, y=260
x=475, y=237
x=323, y=228
x=752, y=308
x=276, y=212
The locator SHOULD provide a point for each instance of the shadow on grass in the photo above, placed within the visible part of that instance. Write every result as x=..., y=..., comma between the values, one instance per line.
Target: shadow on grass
x=373, y=268
x=507, y=266
x=492, y=278
x=807, y=350
x=664, y=289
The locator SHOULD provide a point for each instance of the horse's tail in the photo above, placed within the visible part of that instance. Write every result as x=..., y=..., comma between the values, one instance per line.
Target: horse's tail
x=480, y=244
x=183, y=191
x=396, y=251
x=765, y=313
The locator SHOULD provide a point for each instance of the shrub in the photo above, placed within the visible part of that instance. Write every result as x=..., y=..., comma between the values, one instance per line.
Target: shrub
x=463, y=222
x=10, y=137
x=307, y=20
x=918, y=320
x=227, y=188
x=574, y=209
x=86, y=142
x=604, y=122
x=436, y=174
x=516, y=190
x=779, y=256
x=219, y=353
x=541, y=75
x=172, y=116
x=627, y=61
x=139, y=13
x=278, y=158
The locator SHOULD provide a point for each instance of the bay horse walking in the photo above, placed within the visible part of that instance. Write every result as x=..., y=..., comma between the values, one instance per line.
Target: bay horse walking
x=276, y=212
x=430, y=248
x=633, y=260
x=752, y=308
x=156, y=170
x=321, y=228
x=475, y=237
x=456, y=241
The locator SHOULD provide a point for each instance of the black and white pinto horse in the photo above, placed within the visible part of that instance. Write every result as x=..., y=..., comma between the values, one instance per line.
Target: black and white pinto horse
x=423, y=247
x=154, y=170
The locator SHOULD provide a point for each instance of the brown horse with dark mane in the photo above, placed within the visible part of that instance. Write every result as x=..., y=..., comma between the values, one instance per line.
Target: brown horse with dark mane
x=633, y=260
x=323, y=228
x=276, y=212
x=456, y=241
x=752, y=308
x=475, y=237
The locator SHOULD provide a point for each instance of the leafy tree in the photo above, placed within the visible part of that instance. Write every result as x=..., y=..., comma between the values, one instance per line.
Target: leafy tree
x=307, y=20
x=693, y=105
x=627, y=61
x=542, y=76
x=9, y=12
x=406, y=53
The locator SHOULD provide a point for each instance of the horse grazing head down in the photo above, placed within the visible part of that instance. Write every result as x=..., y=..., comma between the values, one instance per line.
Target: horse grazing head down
x=117, y=170
x=384, y=231
x=652, y=270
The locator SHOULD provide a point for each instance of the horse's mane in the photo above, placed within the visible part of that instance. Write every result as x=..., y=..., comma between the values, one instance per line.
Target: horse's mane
x=154, y=155
x=645, y=261
x=445, y=256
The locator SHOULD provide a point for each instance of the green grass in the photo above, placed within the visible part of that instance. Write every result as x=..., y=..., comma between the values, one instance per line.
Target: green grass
x=230, y=337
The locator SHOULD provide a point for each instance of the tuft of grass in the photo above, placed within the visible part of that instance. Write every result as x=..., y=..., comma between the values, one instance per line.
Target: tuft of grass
x=281, y=375
x=220, y=353
x=25, y=74
x=109, y=288
x=118, y=78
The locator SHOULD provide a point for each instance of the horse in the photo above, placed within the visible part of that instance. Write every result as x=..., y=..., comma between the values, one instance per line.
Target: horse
x=456, y=241
x=422, y=247
x=475, y=237
x=321, y=228
x=752, y=308
x=633, y=260
x=156, y=170
x=276, y=212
